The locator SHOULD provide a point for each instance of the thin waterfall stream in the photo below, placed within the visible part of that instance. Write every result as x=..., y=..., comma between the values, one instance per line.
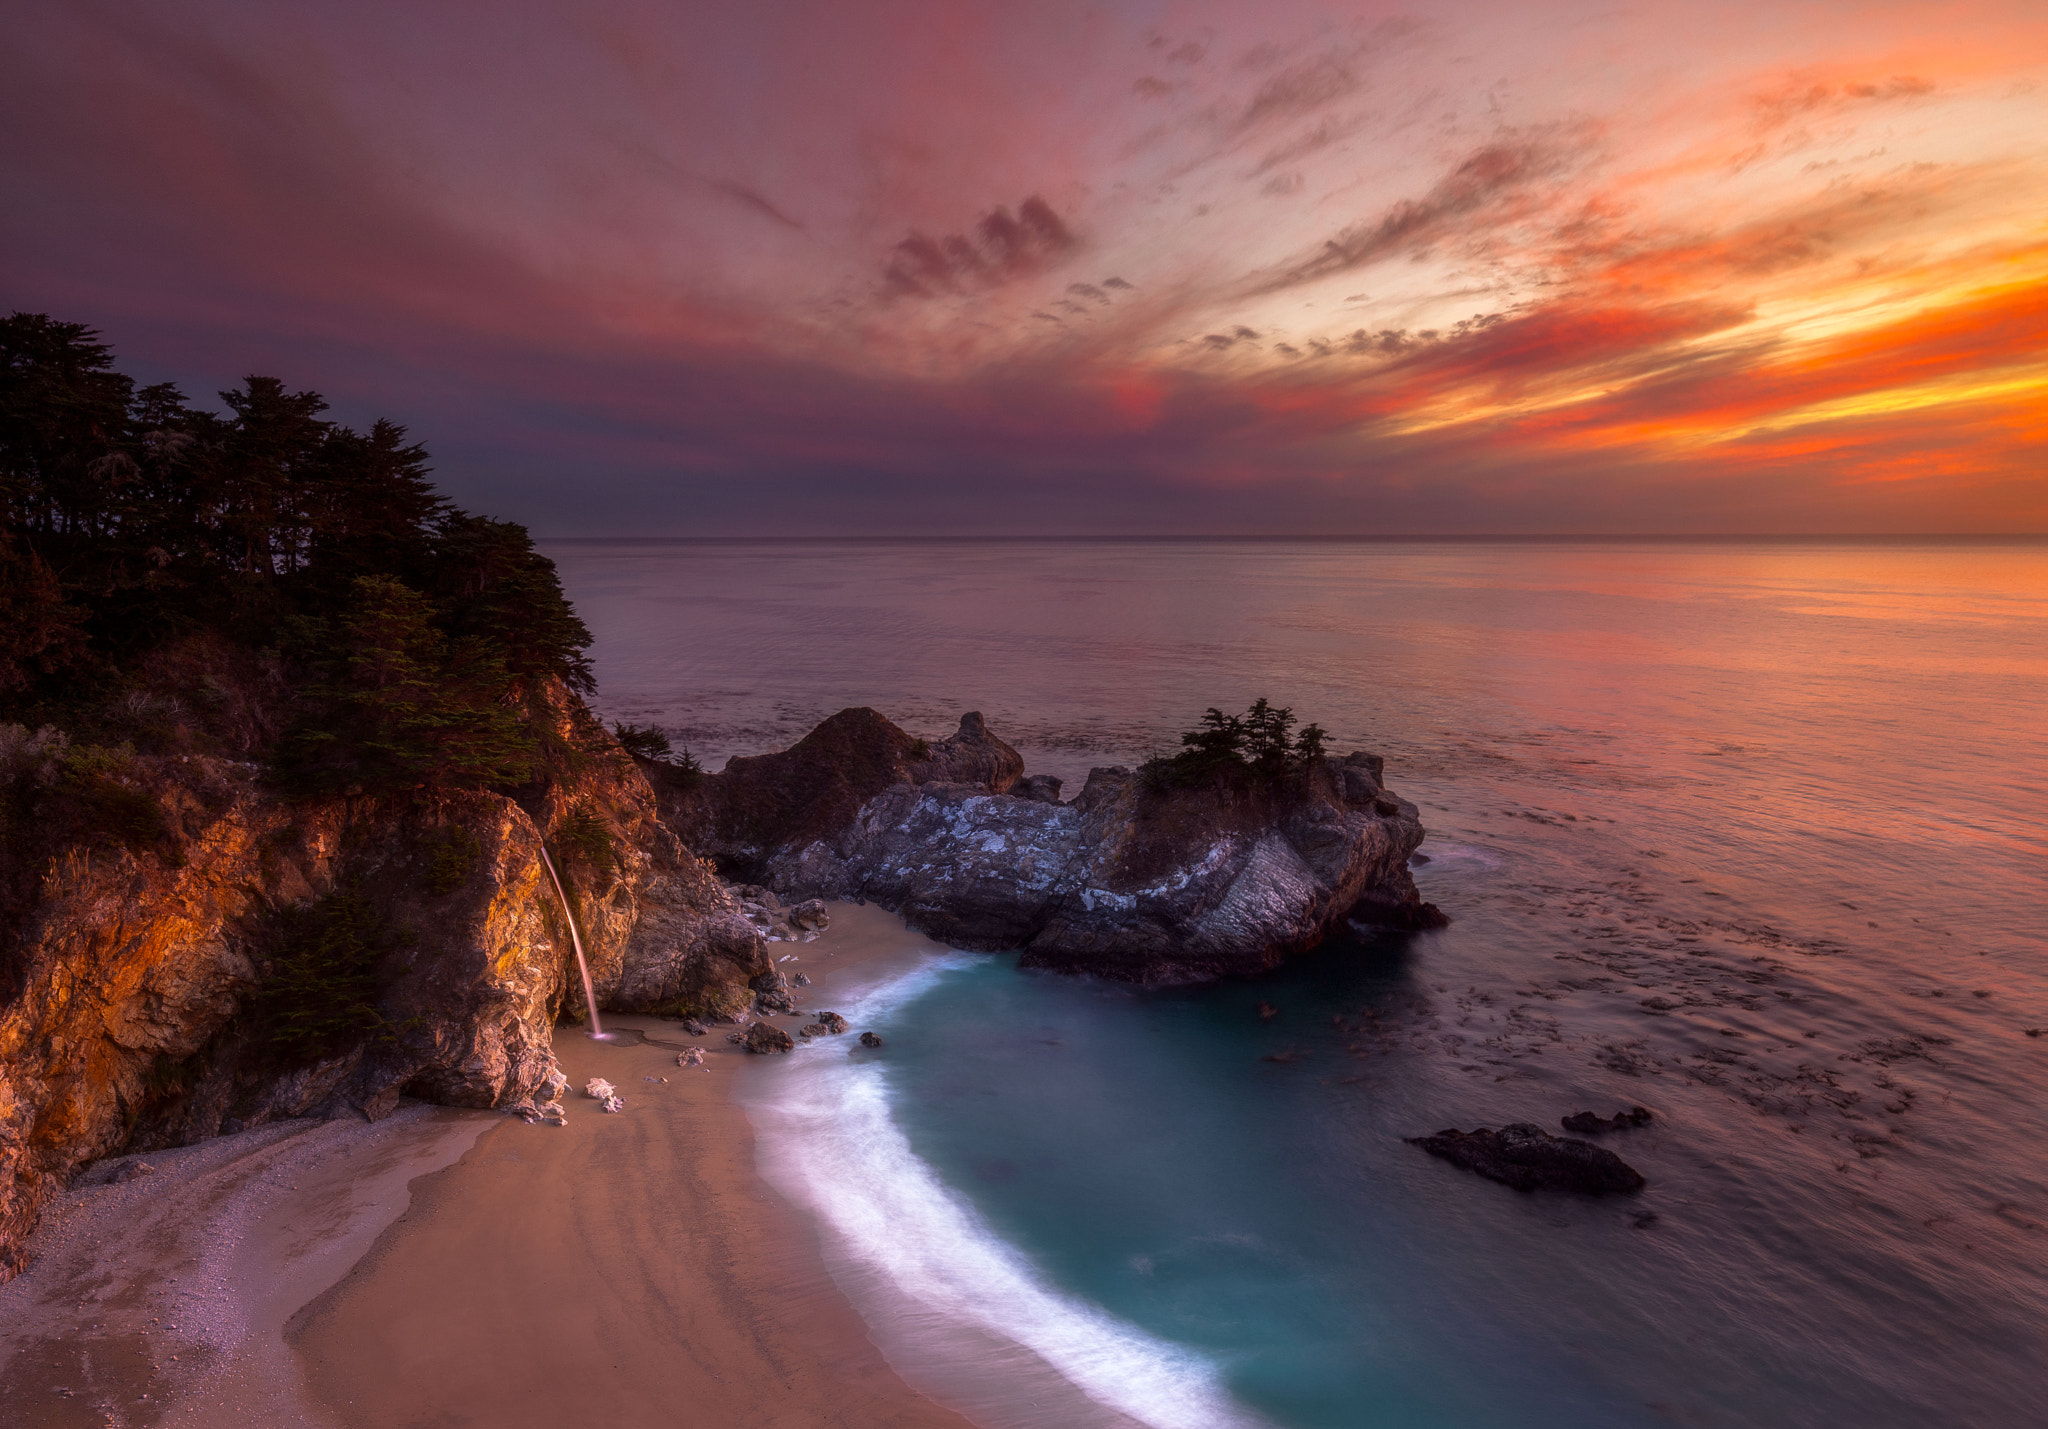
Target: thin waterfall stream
x=575, y=941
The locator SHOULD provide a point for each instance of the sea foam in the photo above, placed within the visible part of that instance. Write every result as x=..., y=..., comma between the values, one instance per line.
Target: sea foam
x=950, y=1285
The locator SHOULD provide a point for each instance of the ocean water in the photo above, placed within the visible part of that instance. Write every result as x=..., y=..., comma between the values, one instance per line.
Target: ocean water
x=1752, y=834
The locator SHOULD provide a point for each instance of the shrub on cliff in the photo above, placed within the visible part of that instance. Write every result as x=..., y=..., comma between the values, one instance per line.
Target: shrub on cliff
x=1256, y=745
x=320, y=990
x=648, y=744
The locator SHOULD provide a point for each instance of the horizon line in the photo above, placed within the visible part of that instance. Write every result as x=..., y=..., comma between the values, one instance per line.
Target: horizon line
x=1322, y=538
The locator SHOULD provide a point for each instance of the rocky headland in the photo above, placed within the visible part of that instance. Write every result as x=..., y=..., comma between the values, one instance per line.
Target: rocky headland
x=1138, y=877
x=151, y=989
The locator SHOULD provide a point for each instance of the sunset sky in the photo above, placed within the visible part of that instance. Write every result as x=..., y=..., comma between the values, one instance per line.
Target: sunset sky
x=686, y=268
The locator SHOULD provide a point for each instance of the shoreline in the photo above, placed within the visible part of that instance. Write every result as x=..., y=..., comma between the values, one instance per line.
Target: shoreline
x=633, y=1269
x=448, y=1266
x=161, y=1299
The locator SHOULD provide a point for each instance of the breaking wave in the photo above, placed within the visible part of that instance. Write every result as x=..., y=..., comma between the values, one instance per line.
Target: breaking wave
x=962, y=1311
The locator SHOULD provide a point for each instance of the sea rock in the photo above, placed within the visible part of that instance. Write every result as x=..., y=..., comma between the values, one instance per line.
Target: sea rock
x=1130, y=880
x=870, y=1039
x=832, y=1022
x=764, y=1038
x=1585, y=1123
x=760, y=805
x=1528, y=1158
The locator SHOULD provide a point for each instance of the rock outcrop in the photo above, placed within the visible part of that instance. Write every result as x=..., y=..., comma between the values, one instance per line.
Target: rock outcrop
x=758, y=806
x=1134, y=879
x=133, y=982
x=1586, y=1123
x=1529, y=1158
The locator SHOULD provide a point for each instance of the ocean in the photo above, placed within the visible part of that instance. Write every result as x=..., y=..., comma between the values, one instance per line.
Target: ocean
x=1753, y=834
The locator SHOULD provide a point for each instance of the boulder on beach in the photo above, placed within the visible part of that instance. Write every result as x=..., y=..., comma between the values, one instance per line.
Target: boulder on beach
x=810, y=916
x=1528, y=1158
x=832, y=1022
x=762, y=1037
x=1585, y=1123
x=692, y=1057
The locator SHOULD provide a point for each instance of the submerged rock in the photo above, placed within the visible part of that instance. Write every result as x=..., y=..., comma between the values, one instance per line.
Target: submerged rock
x=870, y=1039
x=1528, y=1158
x=1585, y=1123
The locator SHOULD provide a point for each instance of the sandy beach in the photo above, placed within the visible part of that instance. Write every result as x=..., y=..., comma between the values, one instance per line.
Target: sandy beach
x=449, y=1268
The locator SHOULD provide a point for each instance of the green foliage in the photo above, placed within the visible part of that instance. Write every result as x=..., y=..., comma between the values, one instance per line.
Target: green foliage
x=1223, y=747
x=92, y=803
x=408, y=710
x=452, y=856
x=583, y=840
x=321, y=990
x=647, y=743
x=919, y=749
x=129, y=519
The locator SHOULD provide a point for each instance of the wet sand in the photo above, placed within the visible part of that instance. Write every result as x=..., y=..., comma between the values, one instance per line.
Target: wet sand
x=162, y=1299
x=630, y=1269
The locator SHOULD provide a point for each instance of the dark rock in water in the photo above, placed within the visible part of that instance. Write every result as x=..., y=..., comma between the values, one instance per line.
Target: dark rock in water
x=1039, y=788
x=1529, y=1158
x=763, y=1038
x=1267, y=1011
x=1587, y=1124
x=832, y=1021
x=870, y=1039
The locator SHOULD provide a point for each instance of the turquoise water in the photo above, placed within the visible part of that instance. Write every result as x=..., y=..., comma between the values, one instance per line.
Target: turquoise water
x=1751, y=835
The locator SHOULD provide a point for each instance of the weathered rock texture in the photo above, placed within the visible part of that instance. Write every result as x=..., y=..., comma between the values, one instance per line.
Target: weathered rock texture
x=1529, y=1158
x=752, y=810
x=128, y=986
x=1131, y=880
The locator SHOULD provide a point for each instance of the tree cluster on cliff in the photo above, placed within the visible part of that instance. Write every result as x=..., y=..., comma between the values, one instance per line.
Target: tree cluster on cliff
x=416, y=639
x=1259, y=745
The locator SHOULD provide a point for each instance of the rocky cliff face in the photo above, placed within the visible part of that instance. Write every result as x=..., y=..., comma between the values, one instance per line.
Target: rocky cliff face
x=140, y=1001
x=1132, y=879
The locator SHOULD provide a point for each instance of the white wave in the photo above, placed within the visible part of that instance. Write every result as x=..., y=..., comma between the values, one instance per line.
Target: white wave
x=828, y=1138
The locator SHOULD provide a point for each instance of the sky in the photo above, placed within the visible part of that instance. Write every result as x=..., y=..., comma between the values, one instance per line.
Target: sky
x=868, y=267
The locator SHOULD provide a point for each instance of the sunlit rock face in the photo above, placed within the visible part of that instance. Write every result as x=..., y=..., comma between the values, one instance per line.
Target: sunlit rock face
x=133, y=1017
x=1132, y=879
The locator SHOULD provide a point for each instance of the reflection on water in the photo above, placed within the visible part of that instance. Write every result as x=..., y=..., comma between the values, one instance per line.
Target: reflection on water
x=1749, y=834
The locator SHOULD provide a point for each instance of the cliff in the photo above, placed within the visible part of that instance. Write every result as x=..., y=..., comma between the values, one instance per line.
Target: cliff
x=234, y=958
